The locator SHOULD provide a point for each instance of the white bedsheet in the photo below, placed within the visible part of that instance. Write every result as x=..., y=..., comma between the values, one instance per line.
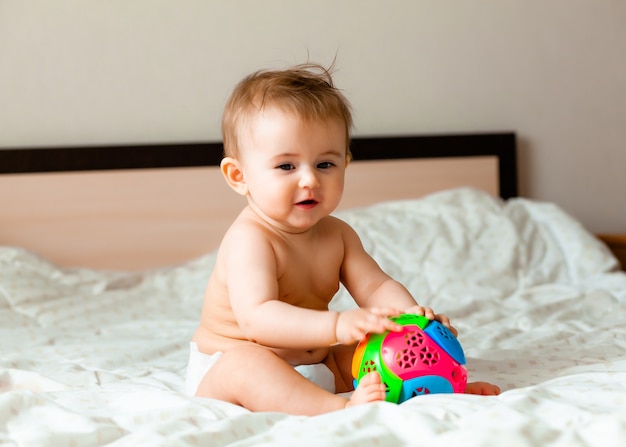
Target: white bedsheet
x=92, y=358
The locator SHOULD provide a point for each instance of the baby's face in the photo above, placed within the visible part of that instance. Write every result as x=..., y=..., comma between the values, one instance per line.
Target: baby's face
x=294, y=169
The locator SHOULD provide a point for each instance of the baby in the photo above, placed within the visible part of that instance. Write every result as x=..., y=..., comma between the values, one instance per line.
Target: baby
x=266, y=339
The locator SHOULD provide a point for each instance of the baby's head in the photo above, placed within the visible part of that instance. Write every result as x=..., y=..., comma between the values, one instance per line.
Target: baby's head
x=305, y=90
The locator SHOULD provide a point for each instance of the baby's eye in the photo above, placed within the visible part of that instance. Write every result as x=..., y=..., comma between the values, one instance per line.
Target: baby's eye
x=285, y=167
x=325, y=165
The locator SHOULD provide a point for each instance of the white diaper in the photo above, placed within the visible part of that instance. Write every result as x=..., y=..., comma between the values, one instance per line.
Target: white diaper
x=200, y=363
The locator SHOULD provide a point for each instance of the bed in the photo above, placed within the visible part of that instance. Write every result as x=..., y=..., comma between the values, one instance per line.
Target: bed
x=104, y=254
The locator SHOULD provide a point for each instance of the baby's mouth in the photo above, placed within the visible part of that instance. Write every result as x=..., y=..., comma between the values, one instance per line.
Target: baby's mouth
x=309, y=203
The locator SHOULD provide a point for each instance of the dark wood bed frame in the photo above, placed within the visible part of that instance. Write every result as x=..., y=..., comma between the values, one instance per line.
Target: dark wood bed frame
x=137, y=206
x=160, y=155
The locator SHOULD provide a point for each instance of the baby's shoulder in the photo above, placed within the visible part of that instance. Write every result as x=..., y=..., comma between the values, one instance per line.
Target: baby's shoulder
x=333, y=221
x=335, y=224
x=245, y=229
x=245, y=240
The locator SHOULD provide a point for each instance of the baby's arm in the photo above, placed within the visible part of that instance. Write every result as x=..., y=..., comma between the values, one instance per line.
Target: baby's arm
x=249, y=269
x=370, y=286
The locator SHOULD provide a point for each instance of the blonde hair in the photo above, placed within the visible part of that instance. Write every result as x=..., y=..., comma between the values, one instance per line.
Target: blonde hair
x=306, y=90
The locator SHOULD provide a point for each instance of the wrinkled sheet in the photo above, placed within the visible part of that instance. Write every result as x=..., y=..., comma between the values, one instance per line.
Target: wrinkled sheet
x=90, y=358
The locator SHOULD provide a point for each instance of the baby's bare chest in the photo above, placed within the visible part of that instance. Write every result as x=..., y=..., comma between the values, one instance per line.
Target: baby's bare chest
x=309, y=276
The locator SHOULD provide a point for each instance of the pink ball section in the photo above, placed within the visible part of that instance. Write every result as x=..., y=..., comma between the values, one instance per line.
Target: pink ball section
x=412, y=353
x=423, y=358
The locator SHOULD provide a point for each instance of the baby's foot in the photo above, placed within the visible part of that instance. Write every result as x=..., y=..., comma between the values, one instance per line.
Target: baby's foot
x=370, y=389
x=483, y=388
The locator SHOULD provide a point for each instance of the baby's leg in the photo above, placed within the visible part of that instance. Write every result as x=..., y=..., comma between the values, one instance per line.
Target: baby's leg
x=483, y=388
x=370, y=389
x=259, y=380
x=339, y=361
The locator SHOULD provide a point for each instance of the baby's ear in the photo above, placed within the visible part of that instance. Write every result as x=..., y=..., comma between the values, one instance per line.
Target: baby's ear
x=231, y=169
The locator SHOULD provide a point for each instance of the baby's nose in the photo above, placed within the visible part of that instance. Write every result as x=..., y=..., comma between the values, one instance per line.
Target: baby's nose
x=308, y=179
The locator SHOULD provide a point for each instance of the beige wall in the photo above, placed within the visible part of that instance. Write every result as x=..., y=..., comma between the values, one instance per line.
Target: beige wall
x=104, y=71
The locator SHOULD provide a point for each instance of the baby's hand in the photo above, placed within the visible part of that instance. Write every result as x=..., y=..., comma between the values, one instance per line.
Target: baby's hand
x=431, y=315
x=353, y=325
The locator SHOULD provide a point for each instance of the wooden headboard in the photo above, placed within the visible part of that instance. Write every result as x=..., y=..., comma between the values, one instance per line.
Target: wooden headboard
x=130, y=207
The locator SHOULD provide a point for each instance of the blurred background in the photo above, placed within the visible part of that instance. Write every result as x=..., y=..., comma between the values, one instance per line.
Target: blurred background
x=124, y=71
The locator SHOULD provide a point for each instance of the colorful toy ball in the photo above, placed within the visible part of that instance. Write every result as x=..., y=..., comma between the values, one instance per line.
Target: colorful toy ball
x=423, y=358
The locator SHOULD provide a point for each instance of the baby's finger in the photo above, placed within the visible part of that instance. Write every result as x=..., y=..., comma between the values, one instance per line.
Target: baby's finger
x=380, y=324
x=414, y=310
x=389, y=325
x=417, y=310
x=446, y=322
x=429, y=313
x=385, y=311
x=443, y=319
